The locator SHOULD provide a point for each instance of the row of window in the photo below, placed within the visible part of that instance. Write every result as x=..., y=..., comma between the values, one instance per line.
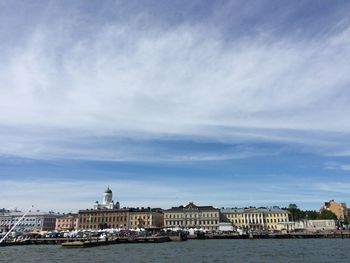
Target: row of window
x=96, y=226
x=15, y=220
x=102, y=214
x=190, y=215
x=139, y=217
x=102, y=219
x=20, y=224
x=258, y=215
x=253, y=221
x=261, y=227
x=65, y=220
x=192, y=222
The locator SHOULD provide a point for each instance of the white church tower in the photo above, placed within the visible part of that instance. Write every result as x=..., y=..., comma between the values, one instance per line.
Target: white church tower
x=107, y=201
x=107, y=196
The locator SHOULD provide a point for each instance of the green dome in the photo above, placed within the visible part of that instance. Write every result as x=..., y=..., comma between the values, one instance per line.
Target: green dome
x=108, y=191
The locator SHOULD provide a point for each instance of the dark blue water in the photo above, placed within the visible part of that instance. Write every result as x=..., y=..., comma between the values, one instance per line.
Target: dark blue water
x=287, y=250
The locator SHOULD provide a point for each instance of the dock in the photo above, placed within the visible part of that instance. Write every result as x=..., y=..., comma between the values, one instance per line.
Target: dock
x=93, y=242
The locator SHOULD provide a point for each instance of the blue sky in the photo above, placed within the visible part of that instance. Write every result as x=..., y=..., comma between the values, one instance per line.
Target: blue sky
x=224, y=103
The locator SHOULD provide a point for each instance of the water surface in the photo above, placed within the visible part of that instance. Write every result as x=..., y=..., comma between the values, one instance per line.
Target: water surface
x=286, y=250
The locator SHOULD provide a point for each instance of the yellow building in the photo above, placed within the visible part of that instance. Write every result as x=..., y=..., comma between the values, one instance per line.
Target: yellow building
x=339, y=210
x=146, y=218
x=255, y=218
x=67, y=222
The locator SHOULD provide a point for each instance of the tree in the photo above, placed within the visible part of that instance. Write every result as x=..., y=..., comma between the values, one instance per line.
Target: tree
x=312, y=215
x=292, y=206
x=326, y=214
x=295, y=212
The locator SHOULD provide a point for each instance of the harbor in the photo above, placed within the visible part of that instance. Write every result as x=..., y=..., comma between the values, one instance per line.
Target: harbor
x=208, y=250
x=98, y=241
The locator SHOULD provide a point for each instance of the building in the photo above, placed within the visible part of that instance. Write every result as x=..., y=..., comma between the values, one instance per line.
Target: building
x=110, y=215
x=192, y=216
x=146, y=218
x=339, y=210
x=255, y=218
x=105, y=215
x=104, y=218
x=32, y=221
x=107, y=201
x=125, y=218
x=67, y=222
x=315, y=225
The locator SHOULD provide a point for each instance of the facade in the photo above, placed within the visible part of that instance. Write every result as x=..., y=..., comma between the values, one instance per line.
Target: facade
x=339, y=210
x=255, y=218
x=192, y=216
x=146, y=218
x=104, y=218
x=107, y=201
x=32, y=221
x=67, y=222
x=110, y=215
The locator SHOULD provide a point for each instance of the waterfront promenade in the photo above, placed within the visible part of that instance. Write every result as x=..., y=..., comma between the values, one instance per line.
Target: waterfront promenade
x=96, y=241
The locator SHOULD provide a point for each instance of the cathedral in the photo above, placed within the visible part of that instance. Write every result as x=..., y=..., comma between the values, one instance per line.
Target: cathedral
x=107, y=201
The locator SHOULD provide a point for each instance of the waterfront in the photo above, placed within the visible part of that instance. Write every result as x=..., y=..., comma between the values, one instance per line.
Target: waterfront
x=286, y=250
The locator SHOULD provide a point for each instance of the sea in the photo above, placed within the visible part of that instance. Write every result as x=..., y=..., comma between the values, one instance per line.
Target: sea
x=258, y=250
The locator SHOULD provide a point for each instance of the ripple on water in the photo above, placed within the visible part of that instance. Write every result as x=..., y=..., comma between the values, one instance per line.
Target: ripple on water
x=248, y=251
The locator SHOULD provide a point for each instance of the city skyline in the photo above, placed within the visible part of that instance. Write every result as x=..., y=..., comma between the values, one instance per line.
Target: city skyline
x=226, y=103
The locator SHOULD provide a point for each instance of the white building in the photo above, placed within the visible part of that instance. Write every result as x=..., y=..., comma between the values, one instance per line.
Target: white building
x=32, y=221
x=314, y=225
x=107, y=201
x=192, y=216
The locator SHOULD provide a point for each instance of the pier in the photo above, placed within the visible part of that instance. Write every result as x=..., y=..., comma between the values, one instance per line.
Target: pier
x=93, y=242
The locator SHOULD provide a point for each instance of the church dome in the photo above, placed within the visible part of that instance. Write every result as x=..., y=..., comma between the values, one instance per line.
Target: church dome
x=108, y=191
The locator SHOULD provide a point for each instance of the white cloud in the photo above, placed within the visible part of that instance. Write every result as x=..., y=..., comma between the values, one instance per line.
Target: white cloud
x=337, y=166
x=178, y=78
x=335, y=188
x=65, y=196
x=107, y=91
x=185, y=80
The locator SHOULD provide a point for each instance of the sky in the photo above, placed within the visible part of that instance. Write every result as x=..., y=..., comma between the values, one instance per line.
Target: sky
x=224, y=103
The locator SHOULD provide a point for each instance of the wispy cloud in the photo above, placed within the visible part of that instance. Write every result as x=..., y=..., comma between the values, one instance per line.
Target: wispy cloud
x=337, y=166
x=134, y=82
x=181, y=80
x=65, y=196
x=335, y=188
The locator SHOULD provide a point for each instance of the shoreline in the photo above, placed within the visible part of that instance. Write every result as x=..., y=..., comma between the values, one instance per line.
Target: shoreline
x=161, y=239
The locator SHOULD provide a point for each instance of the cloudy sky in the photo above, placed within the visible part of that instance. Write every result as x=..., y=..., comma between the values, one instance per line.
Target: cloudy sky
x=224, y=103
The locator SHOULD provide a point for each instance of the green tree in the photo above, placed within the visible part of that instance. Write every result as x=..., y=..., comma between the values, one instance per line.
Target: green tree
x=326, y=214
x=295, y=213
x=312, y=215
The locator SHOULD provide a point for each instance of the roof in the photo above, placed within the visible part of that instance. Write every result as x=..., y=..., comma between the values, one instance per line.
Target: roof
x=191, y=207
x=108, y=190
x=35, y=213
x=254, y=210
x=104, y=210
